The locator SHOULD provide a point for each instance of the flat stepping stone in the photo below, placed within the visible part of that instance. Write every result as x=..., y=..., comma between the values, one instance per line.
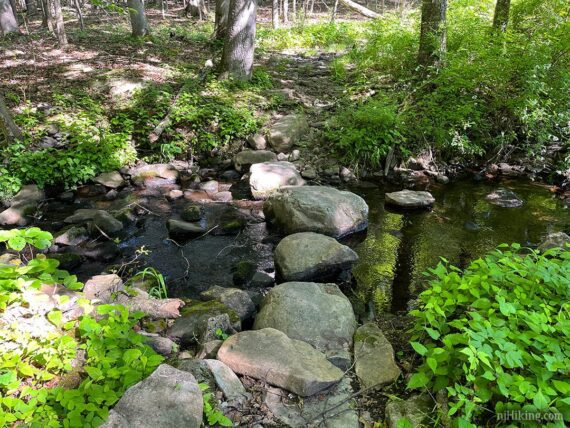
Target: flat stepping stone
x=410, y=199
x=271, y=356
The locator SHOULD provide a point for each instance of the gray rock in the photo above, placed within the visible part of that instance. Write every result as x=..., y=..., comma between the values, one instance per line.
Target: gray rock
x=23, y=205
x=295, y=155
x=199, y=369
x=144, y=173
x=175, y=194
x=225, y=196
x=282, y=157
x=318, y=314
x=505, y=198
x=73, y=235
x=333, y=410
x=233, y=298
x=257, y=142
x=273, y=357
x=168, y=398
x=268, y=177
x=243, y=160
x=554, y=240
x=318, y=209
x=82, y=215
x=374, y=357
x=162, y=345
x=209, y=349
x=192, y=213
x=227, y=380
x=105, y=222
x=287, y=131
x=416, y=410
x=211, y=186
x=410, y=199
x=261, y=280
x=184, y=229
x=442, y=179
x=310, y=256
x=309, y=173
x=113, y=179
x=102, y=287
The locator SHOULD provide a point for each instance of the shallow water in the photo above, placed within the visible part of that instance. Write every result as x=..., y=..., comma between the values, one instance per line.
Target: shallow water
x=462, y=226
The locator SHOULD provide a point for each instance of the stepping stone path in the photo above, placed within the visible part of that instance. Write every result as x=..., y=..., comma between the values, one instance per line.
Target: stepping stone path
x=268, y=177
x=318, y=209
x=270, y=355
x=505, y=198
x=168, y=398
x=310, y=256
x=319, y=314
x=410, y=199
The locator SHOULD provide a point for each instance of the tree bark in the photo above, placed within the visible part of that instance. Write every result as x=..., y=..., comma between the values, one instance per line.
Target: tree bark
x=79, y=13
x=334, y=10
x=31, y=7
x=501, y=18
x=221, y=19
x=139, y=23
x=360, y=9
x=8, y=22
x=285, y=11
x=239, y=46
x=7, y=125
x=275, y=13
x=58, y=21
x=47, y=15
x=197, y=9
x=432, y=34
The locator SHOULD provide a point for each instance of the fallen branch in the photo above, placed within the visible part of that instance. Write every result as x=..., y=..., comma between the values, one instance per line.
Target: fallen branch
x=360, y=9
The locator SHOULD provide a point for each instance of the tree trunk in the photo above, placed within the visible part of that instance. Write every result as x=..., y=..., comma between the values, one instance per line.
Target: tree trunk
x=14, y=9
x=285, y=11
x=8, y=22
x=334, y=10
x=79, y=13
x=360, y=9
x=7, y=125
x=239, y=46
x=47, y=15
x=501, y=18
x=221, y=19
x=31, y=7
x=433, y=34
x=275, y=13
x=139, y=23
x=58, y=21
x=197, y=9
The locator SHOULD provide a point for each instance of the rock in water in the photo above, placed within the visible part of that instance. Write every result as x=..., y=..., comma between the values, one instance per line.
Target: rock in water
x=146, y=173
x=244, y=159
x=410, y=199
x=233, y=298
x=23, y=205
x=168, y=398
x=374, y=357
x=310, y=256
x=318, y=209
x=271, y=356
x=505, y=198
x=318, y=314
x=287, y=131
x=268, y=177
x=113, y=179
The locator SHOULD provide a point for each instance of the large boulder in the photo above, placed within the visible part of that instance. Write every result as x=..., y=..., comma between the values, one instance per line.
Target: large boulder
x=268, y=177
x=318, y=314
x=23, y=205
x=318, y=209
x=374, y=357
x=168, y=398
x=271, y=356
x=244, y=159
x=410, y=199
x=505, y=198
x=310, y=256
x=287, y=131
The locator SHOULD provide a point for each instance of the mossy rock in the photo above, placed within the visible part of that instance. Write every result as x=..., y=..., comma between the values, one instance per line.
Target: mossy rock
x=154, y=326
x=243, y=272
x=192, y=213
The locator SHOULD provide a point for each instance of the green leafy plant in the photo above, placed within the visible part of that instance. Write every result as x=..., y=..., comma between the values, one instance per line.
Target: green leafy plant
x=213, y=414
x=496, y=336
x=220, y=334
x=158, y=290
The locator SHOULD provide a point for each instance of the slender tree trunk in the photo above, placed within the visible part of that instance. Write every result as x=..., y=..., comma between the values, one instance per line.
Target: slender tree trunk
x=501, y=18
x=31, y=7
x=58, y=20
x=433, y=34
x=335, y=8
x=285, y=11
x=14, y=9
x=221, y=19
x=8, y=22
x=79, y=13
x=239, y=46
x=294, y=4
x=139, y=23
x=47, y=15
x=275, y=13
x=7, y=125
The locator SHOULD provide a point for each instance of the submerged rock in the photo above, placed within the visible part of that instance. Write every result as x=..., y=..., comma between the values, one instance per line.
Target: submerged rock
x=244, y=159
x=287, y=131
x=505, y=198
x=310, y=256
x=184, y=229
x=318, y=314
x=317, y=209
x=374, y=357
x=271, y=356
x=410, y=199
x=268, y=177
x=168, y=398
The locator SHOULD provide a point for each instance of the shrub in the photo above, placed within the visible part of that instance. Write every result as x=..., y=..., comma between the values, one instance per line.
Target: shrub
x=496, y=336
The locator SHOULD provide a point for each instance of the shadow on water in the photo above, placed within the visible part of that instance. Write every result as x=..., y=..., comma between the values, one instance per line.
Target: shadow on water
x=462, y=226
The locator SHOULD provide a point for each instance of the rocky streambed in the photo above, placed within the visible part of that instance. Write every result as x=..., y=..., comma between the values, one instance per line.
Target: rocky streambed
x=283, y=295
